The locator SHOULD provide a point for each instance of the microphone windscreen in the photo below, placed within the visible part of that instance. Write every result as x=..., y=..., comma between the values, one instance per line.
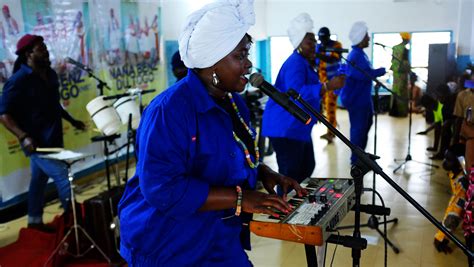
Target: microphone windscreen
x=256, y=79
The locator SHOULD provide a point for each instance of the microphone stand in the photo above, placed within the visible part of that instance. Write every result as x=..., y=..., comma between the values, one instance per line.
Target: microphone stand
x=131, y=133
x=373, y=221
x=365, y=163
x=408, y=157
x=100, y=83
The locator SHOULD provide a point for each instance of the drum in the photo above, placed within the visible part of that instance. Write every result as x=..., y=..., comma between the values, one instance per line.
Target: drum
x=104, y=116
x=125, y=106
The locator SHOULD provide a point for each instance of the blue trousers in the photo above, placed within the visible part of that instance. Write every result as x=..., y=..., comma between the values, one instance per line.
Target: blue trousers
x=361, y=120
x=41, y=170
x=295, y=158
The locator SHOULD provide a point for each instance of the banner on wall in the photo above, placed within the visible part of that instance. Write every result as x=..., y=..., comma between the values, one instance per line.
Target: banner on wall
x=11, y=29
x=63, y=29
x=119, y=40
x=129, y=54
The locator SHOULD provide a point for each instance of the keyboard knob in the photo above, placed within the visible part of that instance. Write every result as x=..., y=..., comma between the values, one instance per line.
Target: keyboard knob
x=323, y=198
x=312, y=198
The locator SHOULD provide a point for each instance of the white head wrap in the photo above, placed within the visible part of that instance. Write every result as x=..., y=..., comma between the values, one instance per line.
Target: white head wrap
x=299, y=26
x=213, y=31
x=358, y=31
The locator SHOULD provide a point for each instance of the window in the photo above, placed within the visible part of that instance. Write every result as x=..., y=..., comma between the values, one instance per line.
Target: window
x=280, y=49
x=420, y=43
x=419, y=50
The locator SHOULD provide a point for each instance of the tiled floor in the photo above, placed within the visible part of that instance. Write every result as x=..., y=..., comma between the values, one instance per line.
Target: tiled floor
x=413, y=233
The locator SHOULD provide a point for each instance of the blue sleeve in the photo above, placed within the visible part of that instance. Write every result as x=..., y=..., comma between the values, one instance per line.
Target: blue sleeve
x=10, y=96
x=164, y=152
x=378, y=72
x=295, y=78
x=361, y=62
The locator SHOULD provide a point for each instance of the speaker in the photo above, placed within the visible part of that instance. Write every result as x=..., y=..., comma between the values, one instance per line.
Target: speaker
x=101, y=222
x=441, y=65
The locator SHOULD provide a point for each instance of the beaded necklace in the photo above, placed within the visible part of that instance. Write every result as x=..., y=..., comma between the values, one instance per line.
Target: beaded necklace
x=251, y=164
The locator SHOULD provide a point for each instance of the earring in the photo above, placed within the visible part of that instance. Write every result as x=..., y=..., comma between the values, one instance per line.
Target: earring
x=215, y=79
x=299, y=50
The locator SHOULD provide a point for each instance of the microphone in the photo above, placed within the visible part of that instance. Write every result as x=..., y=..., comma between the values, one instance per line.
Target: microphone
x=382, y=45
x=130, y=92
x=256, y=80
x=332, y=49
x=136, y=91
x=78, y=64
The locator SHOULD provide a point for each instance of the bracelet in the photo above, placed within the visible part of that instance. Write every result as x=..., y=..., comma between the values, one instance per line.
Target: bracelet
x=238, y=208
x=325, y=87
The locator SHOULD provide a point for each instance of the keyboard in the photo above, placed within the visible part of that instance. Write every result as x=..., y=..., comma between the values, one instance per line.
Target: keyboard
x=314, y=216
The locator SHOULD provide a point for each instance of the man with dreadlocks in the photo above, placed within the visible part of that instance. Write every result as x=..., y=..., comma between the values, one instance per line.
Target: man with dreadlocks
x=30, y=109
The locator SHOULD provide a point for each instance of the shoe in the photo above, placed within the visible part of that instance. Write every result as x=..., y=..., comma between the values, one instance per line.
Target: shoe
x=443, y=246
x=437, y=157
x=431, y=149
x=42, y=227
x=328, y=137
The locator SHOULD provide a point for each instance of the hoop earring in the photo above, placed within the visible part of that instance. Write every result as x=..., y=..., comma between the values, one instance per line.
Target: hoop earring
x=215, y=79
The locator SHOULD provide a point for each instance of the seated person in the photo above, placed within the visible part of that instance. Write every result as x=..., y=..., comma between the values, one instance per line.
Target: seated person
x=415, y=94
x=431, y=105
x=447, y=98
x=463, y=110
x=442, y=107
x=455, y=210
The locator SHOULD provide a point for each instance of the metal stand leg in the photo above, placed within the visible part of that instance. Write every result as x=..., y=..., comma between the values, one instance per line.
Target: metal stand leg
x=311, y=258
x=408, y=157
x=75, y=227
x=312, y=255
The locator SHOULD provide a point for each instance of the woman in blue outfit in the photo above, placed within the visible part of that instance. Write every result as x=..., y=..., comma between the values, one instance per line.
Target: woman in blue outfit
x=356, y=95
x=197, y=160
x=290, y=138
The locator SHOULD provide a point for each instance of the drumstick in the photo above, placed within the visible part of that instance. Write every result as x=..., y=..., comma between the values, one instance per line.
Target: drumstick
x=49, y=149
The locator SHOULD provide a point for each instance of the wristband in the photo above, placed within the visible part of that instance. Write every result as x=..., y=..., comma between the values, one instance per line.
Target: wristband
x=238, y=208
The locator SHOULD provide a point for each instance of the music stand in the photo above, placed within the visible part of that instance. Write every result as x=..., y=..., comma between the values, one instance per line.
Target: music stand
x=69, y=158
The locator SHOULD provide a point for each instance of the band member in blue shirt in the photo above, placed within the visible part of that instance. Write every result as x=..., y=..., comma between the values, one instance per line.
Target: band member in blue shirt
x=290, y=138
x=356, y=95
x=197, y=160
x=30, y=109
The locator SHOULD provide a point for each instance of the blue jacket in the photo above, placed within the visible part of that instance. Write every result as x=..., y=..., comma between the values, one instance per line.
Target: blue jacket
x=296, y=73
x=185, y=146
x=358, y=87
